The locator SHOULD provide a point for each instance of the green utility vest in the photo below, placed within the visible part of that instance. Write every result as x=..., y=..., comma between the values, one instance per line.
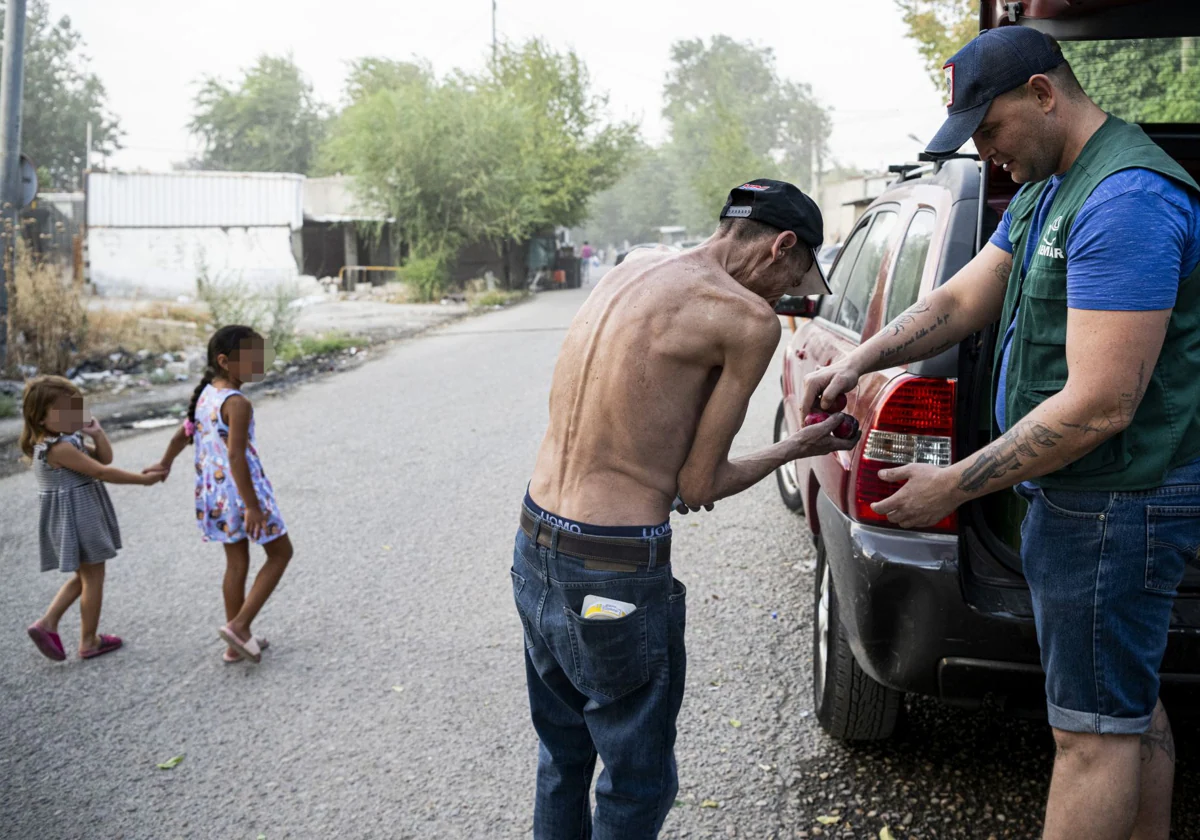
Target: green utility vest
x=1165, y=432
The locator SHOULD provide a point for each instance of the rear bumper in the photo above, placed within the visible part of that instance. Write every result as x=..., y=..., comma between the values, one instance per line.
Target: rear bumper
x=914, y=625
x=910, y=625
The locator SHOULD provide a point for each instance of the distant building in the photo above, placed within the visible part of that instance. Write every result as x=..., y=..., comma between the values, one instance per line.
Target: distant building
x=154, y=234
x=341, y=231
x=844, y=200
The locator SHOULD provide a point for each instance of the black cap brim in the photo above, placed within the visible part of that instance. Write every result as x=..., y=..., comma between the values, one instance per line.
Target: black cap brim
x=812, y=282
x=956, y=131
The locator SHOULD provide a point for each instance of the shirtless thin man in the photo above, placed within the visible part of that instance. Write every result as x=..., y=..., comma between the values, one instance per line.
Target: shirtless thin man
x=652, y=384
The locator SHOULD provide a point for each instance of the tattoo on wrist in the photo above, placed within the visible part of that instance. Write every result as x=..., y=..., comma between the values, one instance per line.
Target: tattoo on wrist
x=1021, y=444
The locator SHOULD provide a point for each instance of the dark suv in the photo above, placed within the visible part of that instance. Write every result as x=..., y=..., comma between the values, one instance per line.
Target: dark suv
x=943, y=612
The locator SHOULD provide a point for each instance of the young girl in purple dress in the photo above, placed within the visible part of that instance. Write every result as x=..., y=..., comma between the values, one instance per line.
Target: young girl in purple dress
x=235, y=503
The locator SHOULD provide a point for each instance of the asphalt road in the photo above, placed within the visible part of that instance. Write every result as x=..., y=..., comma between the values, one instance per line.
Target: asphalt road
x=391, y=703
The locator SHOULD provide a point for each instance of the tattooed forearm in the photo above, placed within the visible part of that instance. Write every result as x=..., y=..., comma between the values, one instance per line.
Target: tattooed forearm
x=1025, y=440
x=907, y=317
x=901, y=353
x=1106, y=426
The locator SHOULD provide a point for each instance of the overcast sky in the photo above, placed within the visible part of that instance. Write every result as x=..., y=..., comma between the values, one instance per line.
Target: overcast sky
x=150, y=54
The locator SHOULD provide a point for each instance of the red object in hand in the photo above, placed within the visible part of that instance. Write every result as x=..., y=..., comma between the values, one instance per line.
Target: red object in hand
x=839, y=404
x=847, y=429
x=816, y=417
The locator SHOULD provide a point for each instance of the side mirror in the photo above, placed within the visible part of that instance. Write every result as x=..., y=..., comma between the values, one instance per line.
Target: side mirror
x=797, y=306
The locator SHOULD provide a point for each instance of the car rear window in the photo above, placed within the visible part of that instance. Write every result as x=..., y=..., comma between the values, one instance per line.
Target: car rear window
x=910, y=265
x=853, y=313
x=1143, y=80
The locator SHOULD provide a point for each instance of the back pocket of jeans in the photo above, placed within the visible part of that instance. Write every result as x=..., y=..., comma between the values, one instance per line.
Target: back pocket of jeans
x=610, y=655
x=1172, y=541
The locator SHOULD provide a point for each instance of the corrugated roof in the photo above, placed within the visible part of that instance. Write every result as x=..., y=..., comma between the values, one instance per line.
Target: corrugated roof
x=194, y=199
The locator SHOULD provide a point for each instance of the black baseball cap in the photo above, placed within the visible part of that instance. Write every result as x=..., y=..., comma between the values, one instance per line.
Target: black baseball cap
x=995, y=62
x=782, y=205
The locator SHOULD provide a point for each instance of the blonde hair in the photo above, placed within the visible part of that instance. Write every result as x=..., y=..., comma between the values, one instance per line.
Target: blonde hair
x=41, y=393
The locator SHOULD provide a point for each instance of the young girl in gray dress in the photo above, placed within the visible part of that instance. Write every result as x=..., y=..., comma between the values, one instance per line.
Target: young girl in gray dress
x=78, y=528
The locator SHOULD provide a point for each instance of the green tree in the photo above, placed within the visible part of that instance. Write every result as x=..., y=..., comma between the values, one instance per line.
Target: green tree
x=494, y=158
x=641, y=201
x=61, y=97
x=1138, y=80
x=269, y=122
x=369, y=75
x=568, y=146
x=941, y=28
x=733, y=118
x=1141, y=81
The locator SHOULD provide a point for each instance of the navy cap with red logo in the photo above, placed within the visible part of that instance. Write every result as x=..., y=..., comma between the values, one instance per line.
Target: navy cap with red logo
x=782, y=205
x=995, y=62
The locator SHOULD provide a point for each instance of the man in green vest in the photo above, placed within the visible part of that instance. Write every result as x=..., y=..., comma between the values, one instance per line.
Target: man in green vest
x=1093, y=277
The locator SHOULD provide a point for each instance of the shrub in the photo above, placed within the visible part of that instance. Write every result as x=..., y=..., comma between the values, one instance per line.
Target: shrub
x=48, y=317
x=425, y=276
x=270, y=312
x=321, y=345
x=496, y=297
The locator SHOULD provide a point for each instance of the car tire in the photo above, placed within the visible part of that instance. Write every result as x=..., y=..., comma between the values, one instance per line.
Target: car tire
x=786, y=475
x=850, y=706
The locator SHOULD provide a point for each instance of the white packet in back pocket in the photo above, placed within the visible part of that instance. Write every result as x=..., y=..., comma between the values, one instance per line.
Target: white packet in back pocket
x=597, y=607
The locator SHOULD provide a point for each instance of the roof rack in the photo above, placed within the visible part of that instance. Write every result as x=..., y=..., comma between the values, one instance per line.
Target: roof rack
x=925, y=157
x=910, y=171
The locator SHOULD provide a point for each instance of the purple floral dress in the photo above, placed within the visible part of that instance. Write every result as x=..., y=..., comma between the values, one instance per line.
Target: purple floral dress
x=220, y=511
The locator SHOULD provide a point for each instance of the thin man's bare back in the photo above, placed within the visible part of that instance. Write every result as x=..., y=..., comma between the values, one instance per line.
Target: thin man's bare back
x=635, y=371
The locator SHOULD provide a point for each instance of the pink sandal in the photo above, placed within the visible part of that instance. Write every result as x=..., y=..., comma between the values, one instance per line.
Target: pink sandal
x=48, y=643
x=107, y=645
x=249, y=649
x=263, y=644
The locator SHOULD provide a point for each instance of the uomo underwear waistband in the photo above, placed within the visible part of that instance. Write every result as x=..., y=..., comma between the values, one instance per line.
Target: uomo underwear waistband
x=584, y=529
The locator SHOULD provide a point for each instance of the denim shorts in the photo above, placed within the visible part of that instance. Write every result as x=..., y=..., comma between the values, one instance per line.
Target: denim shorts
x=1103, y=569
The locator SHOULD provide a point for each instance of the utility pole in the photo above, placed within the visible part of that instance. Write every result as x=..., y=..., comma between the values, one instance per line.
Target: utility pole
x=12, y=86
x=493, y=35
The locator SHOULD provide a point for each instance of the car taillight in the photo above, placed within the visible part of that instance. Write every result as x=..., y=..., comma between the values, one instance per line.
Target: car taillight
x=914, y=424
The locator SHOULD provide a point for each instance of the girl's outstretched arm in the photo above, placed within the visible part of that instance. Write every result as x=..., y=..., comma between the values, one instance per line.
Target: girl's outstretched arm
x=67, y=456
x=178, y=443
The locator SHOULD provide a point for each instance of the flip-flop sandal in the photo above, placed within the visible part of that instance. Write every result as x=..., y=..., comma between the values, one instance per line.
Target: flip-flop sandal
x=48, y=643
x=263, y=644
x=249, y=648
x=107, y=645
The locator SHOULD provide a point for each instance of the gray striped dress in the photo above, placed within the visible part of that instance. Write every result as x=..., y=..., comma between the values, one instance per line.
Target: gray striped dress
x=77, y=523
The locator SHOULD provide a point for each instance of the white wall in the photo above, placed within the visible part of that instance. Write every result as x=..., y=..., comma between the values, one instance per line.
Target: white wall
x=165, y=262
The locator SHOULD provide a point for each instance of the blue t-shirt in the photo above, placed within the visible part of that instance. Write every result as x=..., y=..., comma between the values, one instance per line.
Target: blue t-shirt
x=1135, y=238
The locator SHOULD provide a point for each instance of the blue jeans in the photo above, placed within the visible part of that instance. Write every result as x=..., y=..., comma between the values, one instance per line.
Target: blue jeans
x=612, y=687
x=1103, y=569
